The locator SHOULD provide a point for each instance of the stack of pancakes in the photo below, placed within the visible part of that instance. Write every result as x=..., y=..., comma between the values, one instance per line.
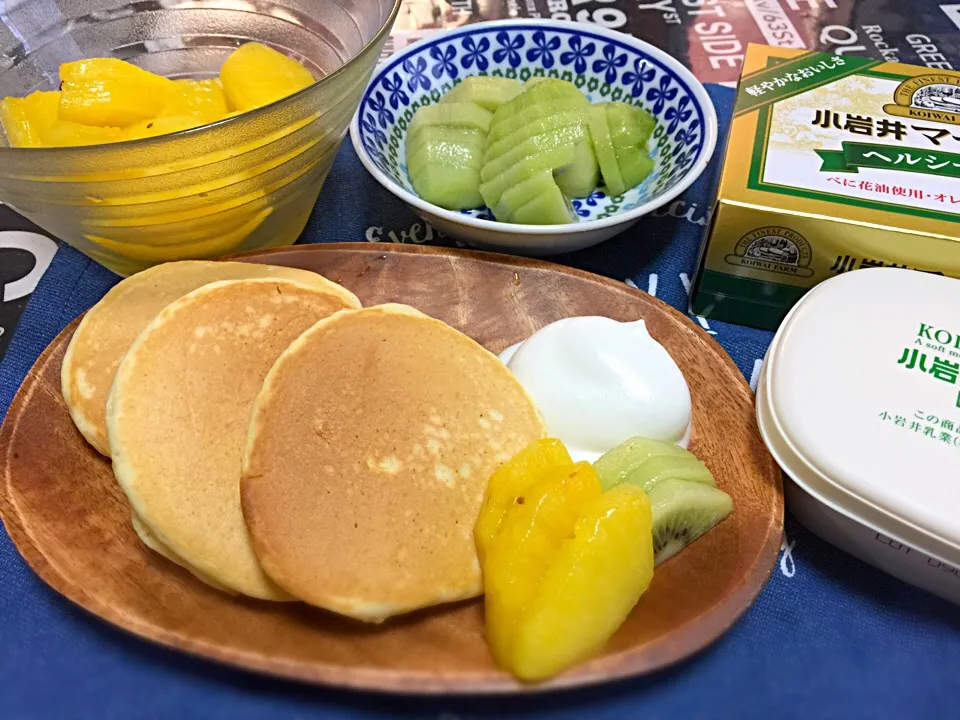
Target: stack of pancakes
x=280, y=441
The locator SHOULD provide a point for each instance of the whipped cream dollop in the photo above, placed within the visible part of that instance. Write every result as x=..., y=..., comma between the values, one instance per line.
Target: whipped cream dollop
x=599, y=382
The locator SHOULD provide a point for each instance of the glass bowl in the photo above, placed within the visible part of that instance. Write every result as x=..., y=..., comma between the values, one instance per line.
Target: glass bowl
x=245, y=183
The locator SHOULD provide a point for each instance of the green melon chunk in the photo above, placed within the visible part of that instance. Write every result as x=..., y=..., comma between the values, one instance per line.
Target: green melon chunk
x=568, y=137
x=522, y=193
x=564, y=112
x=630, y=126
x=546, y=120
x=555, y=94
x=459, y=114
x=559, y=156
x=635, y=166
x=630, y=130
x=486, y=91
x=473, y=139
x=603, y=146
x=548, y=208
x=453, y=154
x=579, y=178
x=442, y=133
x=444, y=166
x=451, y=186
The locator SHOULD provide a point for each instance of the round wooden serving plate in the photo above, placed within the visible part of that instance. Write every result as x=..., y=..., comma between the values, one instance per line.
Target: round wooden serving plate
x=71, y=522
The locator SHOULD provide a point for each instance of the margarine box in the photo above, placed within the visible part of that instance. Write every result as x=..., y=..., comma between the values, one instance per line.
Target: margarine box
x=833, y=163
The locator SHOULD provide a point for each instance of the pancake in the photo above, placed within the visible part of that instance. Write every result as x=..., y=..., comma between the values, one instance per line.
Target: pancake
x=110, y=327
x=178, y=414
x=369, y=452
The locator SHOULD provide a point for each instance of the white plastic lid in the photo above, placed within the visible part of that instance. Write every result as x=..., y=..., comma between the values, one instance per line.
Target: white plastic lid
x=860, y=402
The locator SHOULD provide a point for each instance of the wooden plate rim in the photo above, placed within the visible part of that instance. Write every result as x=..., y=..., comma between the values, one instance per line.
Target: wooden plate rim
x=685, y=642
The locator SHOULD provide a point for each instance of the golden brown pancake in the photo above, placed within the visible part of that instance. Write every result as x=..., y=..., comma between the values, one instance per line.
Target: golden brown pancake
x=369, y=451
x=110, y=327
x=178, y=414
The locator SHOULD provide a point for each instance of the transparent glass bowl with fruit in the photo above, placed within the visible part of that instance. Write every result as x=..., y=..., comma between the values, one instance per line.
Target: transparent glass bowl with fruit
x=136, y=169
x=554, y=184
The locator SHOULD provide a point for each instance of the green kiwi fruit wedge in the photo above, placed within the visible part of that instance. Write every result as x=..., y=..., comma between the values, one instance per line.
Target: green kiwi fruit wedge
x=626, y=463
x=684, y=510
x=683, y=495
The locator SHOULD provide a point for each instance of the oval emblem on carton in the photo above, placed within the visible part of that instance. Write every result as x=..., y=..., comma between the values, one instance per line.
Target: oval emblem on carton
x=928, y=97
x=773, y=249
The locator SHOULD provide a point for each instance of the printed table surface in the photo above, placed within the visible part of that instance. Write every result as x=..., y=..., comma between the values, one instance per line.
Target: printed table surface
x=829, y=637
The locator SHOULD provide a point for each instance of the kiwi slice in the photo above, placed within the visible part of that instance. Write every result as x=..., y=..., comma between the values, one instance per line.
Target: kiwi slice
x=486, y=91
x=603, y=146
x=579, y=178
x=682, y=512
x=657, y=469
x=628, y=457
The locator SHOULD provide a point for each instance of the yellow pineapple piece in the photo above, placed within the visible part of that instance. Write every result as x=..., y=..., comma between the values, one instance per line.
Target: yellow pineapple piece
x=255, y=75
x=531, y=532
x=163, y=125
x=63, y=133
x=111, y=92
x=590, y=586
x=204, y=99
x=509, y=481
x=26, y=120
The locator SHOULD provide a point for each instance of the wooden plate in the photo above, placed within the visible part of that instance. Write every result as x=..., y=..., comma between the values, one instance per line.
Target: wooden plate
x=71, y=522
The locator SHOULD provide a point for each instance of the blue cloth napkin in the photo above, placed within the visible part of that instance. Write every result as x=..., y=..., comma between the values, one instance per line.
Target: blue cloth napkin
x=829, y=637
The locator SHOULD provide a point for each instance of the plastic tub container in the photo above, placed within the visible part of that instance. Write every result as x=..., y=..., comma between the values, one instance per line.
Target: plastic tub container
x=859, y=402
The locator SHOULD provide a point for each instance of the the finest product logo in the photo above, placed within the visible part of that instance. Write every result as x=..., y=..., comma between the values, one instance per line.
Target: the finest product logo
x=928, y=97
x=773, y=249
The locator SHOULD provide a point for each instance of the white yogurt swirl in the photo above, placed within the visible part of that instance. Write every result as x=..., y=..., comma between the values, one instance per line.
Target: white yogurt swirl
x=599, y=382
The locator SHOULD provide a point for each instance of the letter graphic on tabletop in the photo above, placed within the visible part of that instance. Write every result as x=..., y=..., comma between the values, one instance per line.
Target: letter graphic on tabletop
x=41, y=247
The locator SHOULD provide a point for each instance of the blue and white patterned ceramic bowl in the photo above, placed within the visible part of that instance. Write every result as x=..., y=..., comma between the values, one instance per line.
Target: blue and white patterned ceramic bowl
x=604, y=64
